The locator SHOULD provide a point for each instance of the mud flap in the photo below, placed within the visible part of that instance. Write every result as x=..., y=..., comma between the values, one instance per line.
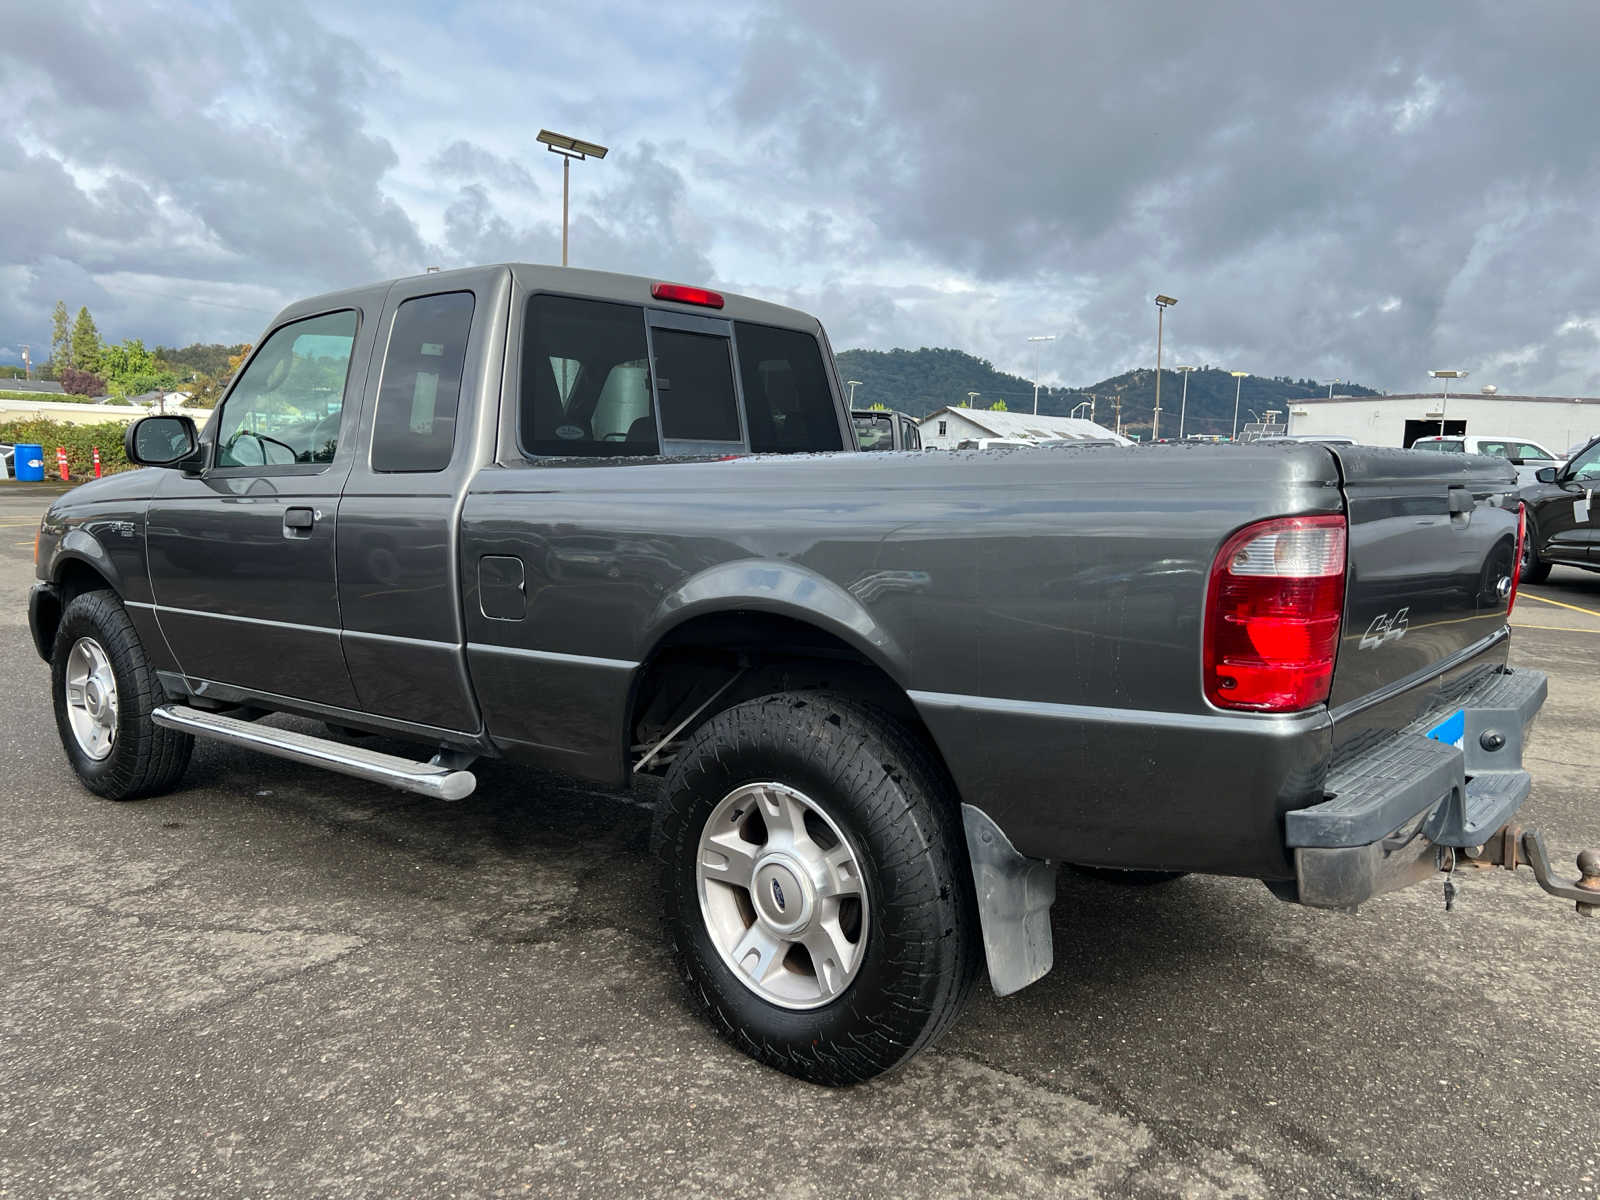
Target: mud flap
x=1014, y=898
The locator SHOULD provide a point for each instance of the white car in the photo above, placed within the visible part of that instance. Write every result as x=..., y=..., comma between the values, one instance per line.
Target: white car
x=1527, y=456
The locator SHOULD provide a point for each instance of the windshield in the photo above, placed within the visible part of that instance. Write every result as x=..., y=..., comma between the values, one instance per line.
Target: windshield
x=1586, y=465
x=874, y=431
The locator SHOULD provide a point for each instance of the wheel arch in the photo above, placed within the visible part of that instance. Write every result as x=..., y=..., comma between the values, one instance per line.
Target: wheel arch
x=71, y=575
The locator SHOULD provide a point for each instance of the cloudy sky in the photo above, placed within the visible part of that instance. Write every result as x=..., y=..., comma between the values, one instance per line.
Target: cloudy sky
x=1357, y=189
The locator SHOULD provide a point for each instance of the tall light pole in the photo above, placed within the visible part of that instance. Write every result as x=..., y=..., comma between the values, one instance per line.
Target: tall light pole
x=1331, y=382
x=569, y=148
x=971, y=396
x=1049, y=337
x=1183, y=407
x=1162, y=304
x=1238, y=382
x=1446, y=377
x=854, y=383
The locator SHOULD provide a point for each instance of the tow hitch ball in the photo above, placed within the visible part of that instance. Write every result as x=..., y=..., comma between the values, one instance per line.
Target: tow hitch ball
x=1514, y=846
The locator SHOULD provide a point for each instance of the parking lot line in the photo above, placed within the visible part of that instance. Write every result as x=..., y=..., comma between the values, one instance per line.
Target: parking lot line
x=1588, y=612
x=1553, y=628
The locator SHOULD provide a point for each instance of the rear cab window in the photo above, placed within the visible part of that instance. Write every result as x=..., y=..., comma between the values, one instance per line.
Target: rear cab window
x=607, y=379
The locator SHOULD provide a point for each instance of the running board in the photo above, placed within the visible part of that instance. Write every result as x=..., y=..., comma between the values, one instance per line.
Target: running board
x=425, y=779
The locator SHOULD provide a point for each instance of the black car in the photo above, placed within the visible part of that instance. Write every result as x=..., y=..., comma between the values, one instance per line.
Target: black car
x=1563, y=520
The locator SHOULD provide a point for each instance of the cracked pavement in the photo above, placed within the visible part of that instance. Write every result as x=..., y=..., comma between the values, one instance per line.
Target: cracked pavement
x=282, y=981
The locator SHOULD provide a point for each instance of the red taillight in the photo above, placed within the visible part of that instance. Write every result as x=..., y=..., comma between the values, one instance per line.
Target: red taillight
x=1516, y=561
x=684, y=294
x=1272, y=614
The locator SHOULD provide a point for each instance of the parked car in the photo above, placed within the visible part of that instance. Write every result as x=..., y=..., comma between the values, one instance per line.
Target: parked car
x=590, y=522
x=1326, y=439
x=885, y=429
x=1563, y=516
x=1527, y=456
x=988, y=443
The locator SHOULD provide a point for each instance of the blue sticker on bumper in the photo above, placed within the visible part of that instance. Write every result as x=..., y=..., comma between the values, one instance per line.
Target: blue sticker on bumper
x=1452, y=730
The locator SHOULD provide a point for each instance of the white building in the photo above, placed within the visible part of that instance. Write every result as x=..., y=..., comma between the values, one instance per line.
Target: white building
x=1555, y=422
x=946, y=428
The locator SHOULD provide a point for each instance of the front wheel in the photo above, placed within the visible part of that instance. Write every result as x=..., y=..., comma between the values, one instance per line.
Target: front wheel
x=1532, y=569
x=816, y=887
x=104, y=691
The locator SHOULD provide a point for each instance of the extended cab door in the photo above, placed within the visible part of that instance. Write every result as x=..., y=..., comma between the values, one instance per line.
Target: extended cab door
x=242, y=554
x=426, y=425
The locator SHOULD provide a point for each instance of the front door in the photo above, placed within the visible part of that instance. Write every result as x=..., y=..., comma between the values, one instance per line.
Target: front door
x=1566, y=515
x=242, y=554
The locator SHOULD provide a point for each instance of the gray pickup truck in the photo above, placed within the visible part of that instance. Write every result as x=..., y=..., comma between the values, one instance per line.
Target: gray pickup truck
x=618, y=528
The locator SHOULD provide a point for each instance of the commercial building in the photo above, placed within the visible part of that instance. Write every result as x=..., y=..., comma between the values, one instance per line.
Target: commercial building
x=1556, y=422
x=948, y=427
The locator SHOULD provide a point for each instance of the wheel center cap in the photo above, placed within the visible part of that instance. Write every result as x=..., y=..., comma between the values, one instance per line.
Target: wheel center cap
x=91, y=696
x=782, y=895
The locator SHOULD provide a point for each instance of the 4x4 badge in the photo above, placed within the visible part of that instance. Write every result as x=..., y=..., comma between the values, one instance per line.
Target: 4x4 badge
x=1385, y=627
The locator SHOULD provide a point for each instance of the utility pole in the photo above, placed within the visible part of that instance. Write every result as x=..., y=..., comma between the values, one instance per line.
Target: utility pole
x=1183, y=408
x=1116, y=404
x=1162, y=304
x=27, y=364
x=1049, y=337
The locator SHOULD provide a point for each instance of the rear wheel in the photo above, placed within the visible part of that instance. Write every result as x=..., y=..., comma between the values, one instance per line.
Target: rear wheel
x=1533, y=569
x=815, y=886
x=104, y=691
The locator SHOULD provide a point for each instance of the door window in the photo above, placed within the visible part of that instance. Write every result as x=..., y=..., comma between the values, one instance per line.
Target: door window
x=585, y=379
x=415, y=427
x=913, y=436
x=1529, y=450
x=694, y=380
x=1587, y=465
x=286, y=407
x=787, y=399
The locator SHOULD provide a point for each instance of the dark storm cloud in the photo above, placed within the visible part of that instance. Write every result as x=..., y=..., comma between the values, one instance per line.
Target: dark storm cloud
x=1289, y=171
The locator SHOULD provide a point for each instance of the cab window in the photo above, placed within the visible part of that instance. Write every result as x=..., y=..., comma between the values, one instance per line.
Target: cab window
x=416, y=423
x=1586, y=465
x=873, y=431
x=788, y=404
x=585, y=379
x=285, y=408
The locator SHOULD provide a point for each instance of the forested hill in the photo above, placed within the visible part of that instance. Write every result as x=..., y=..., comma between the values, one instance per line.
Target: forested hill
x=920, y=381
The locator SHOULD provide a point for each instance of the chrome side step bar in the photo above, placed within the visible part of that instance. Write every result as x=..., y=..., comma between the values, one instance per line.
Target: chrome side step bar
x=433, y=779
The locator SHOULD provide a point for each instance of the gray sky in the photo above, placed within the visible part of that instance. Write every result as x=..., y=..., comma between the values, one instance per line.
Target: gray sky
x=1356, y=190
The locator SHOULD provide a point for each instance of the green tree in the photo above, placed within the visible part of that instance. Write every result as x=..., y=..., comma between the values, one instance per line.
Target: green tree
x=85, y=342
x=878, y=406
x=999, y=406
x=60, y=339
x=130, y=369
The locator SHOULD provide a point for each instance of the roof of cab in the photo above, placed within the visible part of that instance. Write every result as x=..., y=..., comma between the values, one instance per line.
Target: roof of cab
x=570, y=281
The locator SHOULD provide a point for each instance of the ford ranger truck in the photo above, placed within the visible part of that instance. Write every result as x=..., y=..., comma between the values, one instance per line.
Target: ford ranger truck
x=618, y=527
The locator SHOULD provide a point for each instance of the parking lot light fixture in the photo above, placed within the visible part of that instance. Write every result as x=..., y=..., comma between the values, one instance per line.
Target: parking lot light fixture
x=1162, y=304
x=1238, y=382
x=1183, y=405
x=1445, y=377
x=971, y=398
x=569, y=148
x=853, y=384
x=1048, y=337
x=1331, y=382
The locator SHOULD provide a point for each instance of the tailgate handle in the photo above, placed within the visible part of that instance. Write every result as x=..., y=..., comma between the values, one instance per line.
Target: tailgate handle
x=1461, y=500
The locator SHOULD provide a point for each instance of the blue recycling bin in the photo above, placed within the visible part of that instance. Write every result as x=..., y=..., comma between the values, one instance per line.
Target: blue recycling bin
x=28, y=462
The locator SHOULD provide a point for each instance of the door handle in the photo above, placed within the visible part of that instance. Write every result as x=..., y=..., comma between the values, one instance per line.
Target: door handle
x=297, y=522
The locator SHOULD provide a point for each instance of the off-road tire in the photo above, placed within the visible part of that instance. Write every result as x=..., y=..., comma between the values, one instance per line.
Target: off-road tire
x=1532, y=569
x=890, y=798
x=144, y=760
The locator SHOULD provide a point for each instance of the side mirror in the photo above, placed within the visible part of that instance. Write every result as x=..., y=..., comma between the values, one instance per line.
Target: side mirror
x=1546, y=474
x=163, y=442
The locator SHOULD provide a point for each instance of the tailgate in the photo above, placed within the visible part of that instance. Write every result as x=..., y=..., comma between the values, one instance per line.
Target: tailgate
x=1432, y=554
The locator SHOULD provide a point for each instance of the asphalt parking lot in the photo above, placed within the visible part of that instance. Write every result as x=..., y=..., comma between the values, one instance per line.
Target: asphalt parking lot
x=282, y=981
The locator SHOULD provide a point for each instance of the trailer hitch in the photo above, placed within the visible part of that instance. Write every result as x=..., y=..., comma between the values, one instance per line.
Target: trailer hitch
x=1512, y=846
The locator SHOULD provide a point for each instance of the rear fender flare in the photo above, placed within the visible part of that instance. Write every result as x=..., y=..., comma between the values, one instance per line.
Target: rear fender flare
x=784, y=589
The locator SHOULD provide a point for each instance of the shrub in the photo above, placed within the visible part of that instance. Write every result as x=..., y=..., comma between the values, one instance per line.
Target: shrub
x=79, y=440
x=82, y=383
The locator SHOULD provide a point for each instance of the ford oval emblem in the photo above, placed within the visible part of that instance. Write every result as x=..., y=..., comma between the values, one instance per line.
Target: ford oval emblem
x=777, y=895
